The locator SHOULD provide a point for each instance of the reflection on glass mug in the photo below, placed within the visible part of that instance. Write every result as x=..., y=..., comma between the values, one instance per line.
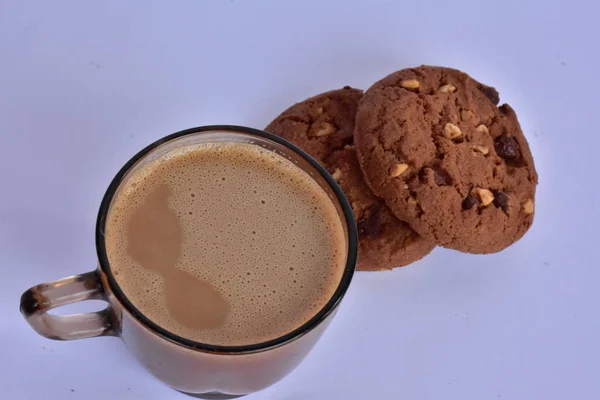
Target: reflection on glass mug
x=223, y=253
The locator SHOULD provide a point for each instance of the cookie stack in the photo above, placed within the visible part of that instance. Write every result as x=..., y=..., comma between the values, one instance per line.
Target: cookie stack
x=425, y=157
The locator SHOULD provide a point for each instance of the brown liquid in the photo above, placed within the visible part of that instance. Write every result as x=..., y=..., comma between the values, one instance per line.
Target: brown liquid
x=226, y=244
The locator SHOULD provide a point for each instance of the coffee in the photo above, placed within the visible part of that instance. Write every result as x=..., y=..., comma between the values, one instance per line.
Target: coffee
x=225, y=243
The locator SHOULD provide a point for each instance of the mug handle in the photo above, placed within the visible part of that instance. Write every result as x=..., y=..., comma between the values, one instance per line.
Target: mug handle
x=37, y=301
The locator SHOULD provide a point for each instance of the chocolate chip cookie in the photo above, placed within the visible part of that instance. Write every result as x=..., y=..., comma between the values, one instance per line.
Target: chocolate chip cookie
x=323, y=126
x=433, y=143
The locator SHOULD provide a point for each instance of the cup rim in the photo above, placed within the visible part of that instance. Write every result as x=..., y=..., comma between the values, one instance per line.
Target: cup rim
x=251, y=348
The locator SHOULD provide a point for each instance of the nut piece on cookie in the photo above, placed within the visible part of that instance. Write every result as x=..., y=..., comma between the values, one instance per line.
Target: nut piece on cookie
x=452, y=131
x=337, y=174
x=482, y=128
x=348, y=147
x=410, y=84
x=481, y=149
x=485, y=196
x=449, y=88
x=398, y=169
x=324, y=129
x=528, y=206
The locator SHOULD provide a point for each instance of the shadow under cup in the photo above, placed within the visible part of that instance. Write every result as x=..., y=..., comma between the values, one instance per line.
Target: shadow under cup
x=183, y=364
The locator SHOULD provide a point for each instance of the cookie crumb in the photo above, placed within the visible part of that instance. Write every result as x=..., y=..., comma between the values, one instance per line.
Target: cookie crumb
x=410, y=84
x=452, y=131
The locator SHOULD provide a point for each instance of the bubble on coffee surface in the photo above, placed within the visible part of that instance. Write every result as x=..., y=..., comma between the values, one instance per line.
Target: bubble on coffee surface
x=254, y=226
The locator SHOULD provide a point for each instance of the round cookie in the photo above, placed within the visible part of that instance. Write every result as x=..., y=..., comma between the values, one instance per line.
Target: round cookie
x=433, y=143
x=323, y=126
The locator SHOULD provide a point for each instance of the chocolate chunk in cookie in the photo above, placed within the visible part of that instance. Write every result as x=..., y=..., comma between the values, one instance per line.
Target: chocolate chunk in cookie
x=439, y=177
x=470, y=201
x=491, y=93
x=506, y=147
x=471, y=180
x=370, y=225
x=323, y=126
x=501, y=200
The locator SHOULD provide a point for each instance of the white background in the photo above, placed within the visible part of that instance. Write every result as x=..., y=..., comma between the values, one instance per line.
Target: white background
x=84, y=85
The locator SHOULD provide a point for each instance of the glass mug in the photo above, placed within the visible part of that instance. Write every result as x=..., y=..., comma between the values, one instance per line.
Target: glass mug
x=188, y=366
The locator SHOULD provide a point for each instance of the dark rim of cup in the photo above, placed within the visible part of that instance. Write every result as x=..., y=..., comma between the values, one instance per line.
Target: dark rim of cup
x=296, y=333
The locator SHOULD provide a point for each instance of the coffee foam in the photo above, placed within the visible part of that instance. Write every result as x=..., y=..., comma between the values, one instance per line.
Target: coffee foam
x=254, y=227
